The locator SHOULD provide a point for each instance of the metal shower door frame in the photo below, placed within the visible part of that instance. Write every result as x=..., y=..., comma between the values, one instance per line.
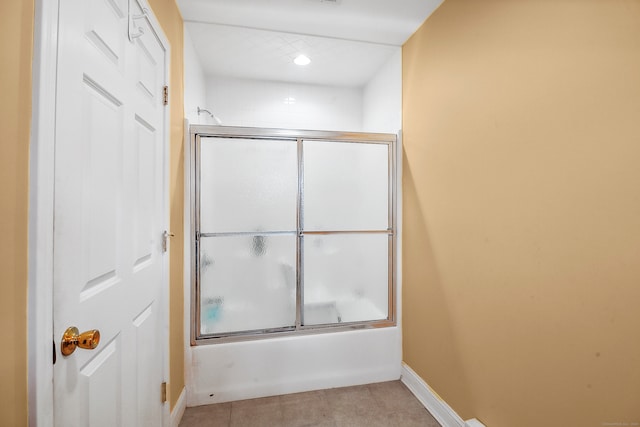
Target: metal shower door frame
x=197, y=132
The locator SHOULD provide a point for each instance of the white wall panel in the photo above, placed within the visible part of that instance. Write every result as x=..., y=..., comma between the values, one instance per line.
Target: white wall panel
x=195, y=87
x=382, y=98
x=256, y=103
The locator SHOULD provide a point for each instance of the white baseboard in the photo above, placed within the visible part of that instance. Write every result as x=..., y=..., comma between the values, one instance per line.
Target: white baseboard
x=473, y=422
x=178, y=410
x=442, y=412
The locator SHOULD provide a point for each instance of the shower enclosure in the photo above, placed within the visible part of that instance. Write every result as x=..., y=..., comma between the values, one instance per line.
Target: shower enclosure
x=293, y=232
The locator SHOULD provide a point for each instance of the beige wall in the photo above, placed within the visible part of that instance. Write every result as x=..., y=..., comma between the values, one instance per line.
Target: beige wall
x=522, y=210
x=16, y=47
x=16, y=41
x=169, y=17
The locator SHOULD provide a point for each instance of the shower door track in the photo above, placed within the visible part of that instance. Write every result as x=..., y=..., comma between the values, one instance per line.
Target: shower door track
x=201, y=131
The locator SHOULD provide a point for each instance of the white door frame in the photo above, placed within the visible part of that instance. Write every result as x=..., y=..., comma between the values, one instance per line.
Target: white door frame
x=41, y=211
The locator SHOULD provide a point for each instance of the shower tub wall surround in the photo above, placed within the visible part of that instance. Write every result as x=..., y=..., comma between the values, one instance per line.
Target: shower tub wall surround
x=293, y=262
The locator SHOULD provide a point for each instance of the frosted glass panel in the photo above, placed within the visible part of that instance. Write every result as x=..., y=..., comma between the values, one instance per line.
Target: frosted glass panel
x=345, y=278
x=346, y=186
x=247, y=282
x=248, y=185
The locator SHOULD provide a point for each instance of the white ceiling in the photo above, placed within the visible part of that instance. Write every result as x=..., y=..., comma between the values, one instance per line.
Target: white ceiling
x=378, y=21
x=347, y=40
x=268, y=55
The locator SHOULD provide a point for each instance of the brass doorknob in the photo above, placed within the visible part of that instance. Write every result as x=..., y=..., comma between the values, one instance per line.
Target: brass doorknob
x=72, y=339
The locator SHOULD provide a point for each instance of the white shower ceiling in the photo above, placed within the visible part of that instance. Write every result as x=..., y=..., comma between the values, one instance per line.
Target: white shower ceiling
x=347, y=40
x=268, y=55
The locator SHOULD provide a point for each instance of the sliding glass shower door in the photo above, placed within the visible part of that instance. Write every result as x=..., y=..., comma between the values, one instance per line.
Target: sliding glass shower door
x=293, y=231
x=345, y=222
x=247, y=241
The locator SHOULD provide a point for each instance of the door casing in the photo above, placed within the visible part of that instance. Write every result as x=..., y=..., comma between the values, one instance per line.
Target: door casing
x=41, y=213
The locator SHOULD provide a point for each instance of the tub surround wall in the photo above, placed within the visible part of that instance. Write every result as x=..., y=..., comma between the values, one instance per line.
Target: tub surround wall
x=382, y=98
x=258, y=103
x=195, y=86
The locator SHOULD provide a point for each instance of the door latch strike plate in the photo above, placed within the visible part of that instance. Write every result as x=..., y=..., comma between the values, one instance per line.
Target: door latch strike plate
x=163, y=392
x=165, y=240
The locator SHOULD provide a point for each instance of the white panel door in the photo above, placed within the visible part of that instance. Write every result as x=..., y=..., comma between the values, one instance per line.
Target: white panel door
x=109, y=215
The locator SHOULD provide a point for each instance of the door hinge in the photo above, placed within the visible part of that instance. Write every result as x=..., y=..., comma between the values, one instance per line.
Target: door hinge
x=163, y=392
x=165, y=240
x=165, y=95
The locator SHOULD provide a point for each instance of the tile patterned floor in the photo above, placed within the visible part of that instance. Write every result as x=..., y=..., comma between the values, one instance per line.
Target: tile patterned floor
x=388, y=404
